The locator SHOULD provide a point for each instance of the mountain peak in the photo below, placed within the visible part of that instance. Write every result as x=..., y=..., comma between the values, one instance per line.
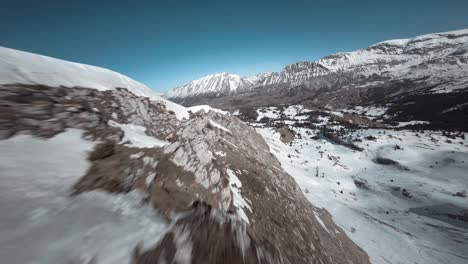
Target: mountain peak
x=210, y=84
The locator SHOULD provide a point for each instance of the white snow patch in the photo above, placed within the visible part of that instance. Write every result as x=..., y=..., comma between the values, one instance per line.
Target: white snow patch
x=149, y=179
x=321, y=222
x=269, y=112
x=183, y=254
x=220, y=153
x=42, y=223
x=179, y=183
x=237, y=200
x=137, y=136
x=414, y=122
x=214, y=124
x=339, y=114
x=137, y=155
x=206, y=109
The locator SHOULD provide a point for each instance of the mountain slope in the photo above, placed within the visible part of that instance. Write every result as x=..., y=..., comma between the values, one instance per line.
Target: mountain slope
x=438, y=59
x=27, y=68
x=100, y=174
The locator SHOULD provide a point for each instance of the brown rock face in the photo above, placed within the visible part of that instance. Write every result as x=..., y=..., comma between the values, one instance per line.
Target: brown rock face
x=225, y=194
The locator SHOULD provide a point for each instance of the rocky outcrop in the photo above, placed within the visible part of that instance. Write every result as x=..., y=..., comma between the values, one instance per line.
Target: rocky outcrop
x=213, y=177
x=286, y=134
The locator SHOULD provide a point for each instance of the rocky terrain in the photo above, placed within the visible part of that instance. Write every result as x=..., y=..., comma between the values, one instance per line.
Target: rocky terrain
x=100, y=170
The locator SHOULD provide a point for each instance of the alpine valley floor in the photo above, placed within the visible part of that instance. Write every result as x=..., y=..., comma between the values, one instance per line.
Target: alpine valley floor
x=400, y=194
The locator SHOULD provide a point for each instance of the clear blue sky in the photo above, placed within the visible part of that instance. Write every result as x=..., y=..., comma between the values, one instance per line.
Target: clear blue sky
x=166, y=43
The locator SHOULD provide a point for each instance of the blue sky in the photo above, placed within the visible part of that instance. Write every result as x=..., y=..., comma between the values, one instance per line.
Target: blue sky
x=166, y=43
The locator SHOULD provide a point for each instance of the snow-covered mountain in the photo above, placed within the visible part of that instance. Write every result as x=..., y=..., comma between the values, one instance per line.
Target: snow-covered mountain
x=439, y=58
x=221, y=83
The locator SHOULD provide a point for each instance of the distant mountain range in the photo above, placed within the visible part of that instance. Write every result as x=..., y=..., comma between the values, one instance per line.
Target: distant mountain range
x=433, y=63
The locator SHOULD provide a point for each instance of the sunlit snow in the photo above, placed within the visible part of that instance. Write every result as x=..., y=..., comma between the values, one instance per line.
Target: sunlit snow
x=41, y=223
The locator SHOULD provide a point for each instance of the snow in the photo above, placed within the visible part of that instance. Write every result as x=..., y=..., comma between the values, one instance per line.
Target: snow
x=372, y=112
x=206, y=109
x=339, y=114
x=269, y=112
x=218, y=126
x=137, y=136
x=149, y=179
x=321, y=222
x=220, y=153
x=393, y=42
x=137, y=155
x=414, y=122
x=229, y=142
x=293, y=110
x=430, y=169
x=183, y=244
x=237, y=200
x=41, y=223
x=180, y=111
x=29, y=68
x=215, y=83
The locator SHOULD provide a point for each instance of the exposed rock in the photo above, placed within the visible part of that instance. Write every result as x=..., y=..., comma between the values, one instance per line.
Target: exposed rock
x=460, y=194
x=384, y=161
x=361, y=183
x=226, y=195
x=286, y=135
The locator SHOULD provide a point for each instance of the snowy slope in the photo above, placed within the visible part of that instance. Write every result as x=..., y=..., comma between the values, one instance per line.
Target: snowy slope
x=381, y=219
x=29, y=68
x=440, y=57
x=404, y=212
x=44, y=224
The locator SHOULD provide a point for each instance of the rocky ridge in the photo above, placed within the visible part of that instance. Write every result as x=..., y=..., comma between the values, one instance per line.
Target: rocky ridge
x=212, y=177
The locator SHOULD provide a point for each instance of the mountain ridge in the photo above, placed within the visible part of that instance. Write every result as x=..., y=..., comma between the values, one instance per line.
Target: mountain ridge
x=419, y=57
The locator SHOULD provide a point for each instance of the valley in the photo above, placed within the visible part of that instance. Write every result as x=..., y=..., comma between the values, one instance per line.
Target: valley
x=379, y=183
